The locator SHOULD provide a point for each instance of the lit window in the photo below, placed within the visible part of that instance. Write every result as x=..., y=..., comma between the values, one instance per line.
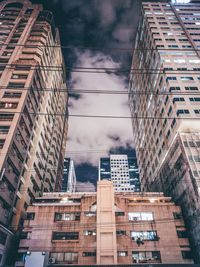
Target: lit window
x=122, y=253
x=144, y=235
x=176, y=53
x=195, y=61
x=146, y=256
x=74, y=216
x=187, y=78
x=140, y=216
x=170, y=78
x=179, y=61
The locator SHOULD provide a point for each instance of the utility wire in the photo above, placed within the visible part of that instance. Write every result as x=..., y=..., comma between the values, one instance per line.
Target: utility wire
x=72, y=224
x=17, y=67
x=100, y=48
x=100, y=116
x=103, y=91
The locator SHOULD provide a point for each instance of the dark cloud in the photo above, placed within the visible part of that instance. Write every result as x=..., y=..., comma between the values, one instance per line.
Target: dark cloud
x=123, y=150
x=101, y=24
x=97, y=23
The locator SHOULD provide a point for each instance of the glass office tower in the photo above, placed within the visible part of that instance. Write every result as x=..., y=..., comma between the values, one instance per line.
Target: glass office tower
x=122, y=170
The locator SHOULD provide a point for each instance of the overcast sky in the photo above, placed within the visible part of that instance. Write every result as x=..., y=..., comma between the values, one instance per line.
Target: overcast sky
x=102, y=24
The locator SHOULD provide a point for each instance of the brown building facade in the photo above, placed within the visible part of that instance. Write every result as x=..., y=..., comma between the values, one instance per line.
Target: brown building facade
x=103, y=228
x=33, y=109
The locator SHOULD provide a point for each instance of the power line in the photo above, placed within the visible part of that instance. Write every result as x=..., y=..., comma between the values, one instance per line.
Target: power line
x=100, y=116
x=97, y=70
x=72, y=224
x=103, y=91
x=100, y=48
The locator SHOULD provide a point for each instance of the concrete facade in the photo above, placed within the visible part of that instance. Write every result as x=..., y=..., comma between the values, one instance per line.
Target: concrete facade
x=104, y=228
x=164, y=90
x=33, y=101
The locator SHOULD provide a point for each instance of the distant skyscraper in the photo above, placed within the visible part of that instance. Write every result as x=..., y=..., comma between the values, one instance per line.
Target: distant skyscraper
x=122, y=171
x=69, y=176
x=33, y=111
x=164, y=99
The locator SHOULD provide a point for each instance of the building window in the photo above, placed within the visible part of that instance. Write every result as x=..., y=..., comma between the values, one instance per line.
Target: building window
x=30, y=215
x=182, y=111
x=120, y=232
x=8, y=105
x=29, y=11
x=140, y=216
x=6, y=117
x=186, y=254
x=16, y=85
x=194, y=99
x=12, y=95
x=4, y=129
x=68, y=257
x=19, y=76
x=144, y=235
x=119, y=213
x=90, y=213
x=168, y=134
x=196, y=158
x=89, y=254
x=170, y=79
x=3, y=237
x=25, y=235
x=187, y=78
x=177, y=215
x=122, y=253
x=182, y=234
x=166, y=99
x=198, y=143
x=2, y=142
x=146, y=256
x=88, y=232
x=74, y=216
x=191, y=88
x=178, y=99
x=191, y=144
x=173, y=123
x=65, y=236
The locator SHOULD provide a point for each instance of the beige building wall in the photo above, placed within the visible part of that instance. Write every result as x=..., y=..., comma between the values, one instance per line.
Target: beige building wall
x=103, y=228
x=106, y=228
x=164, y=100
x=33, y=102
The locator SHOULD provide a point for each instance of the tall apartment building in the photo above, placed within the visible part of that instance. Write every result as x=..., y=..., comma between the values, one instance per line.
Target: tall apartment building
x=164, y=100
x=122, y=170
x=103, y=228
x=69, y=176
x=33, y=109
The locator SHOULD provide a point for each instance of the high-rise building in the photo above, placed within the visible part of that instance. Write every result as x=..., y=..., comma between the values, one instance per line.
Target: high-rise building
x=164, y=99
x=33, y=112
x=103, y=228
x=69, y=176
x=122, y=170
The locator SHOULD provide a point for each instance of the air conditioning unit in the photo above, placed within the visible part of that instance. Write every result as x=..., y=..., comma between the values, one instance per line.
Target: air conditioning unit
x=135, y=218
x=52, y=260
